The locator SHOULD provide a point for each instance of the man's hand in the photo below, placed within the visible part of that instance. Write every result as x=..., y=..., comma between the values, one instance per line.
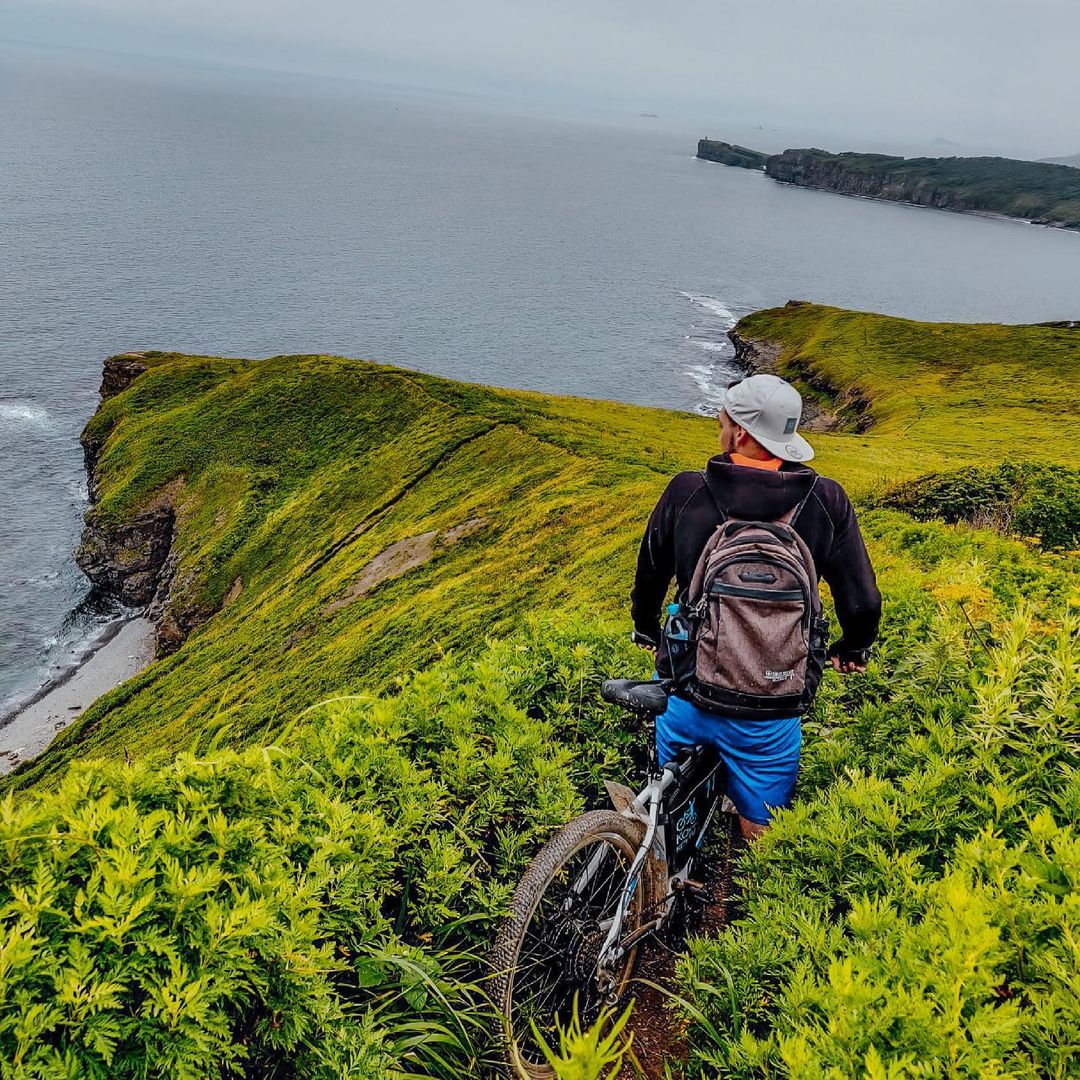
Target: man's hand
x=848, y=661
x=847, y=667
x=643, y=642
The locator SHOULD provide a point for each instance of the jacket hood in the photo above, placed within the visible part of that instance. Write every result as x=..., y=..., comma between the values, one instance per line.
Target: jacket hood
x=757, y=494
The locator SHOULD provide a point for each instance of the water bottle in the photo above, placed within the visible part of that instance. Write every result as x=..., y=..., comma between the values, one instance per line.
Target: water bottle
x=677, y=634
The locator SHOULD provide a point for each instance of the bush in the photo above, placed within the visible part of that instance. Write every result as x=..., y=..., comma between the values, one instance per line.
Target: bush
x=1024, y=498
x=283, y=912
x=913, y=914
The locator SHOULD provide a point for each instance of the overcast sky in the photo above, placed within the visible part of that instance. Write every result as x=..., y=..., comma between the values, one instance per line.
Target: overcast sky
x=996, y=74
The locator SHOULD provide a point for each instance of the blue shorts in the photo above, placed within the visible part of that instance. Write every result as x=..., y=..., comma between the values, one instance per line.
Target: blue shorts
x=762, y=756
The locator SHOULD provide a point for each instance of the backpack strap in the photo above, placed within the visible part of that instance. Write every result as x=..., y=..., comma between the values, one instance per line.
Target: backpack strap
x=714, y=492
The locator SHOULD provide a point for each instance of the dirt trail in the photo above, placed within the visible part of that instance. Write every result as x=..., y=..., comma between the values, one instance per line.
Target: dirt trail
x=659, y=1036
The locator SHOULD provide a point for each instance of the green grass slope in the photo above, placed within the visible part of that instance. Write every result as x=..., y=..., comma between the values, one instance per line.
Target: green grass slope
x=305, y=895
x=340, y=522
x=934, y=395
x=305, y=487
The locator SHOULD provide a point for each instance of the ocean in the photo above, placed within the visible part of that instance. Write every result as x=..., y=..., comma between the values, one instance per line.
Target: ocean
x=245, y=213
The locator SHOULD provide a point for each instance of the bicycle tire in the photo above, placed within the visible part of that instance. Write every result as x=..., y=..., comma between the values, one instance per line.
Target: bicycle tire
x=624, y=835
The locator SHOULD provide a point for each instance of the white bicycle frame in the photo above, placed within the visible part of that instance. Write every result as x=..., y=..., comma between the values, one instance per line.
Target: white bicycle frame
x=645, y=807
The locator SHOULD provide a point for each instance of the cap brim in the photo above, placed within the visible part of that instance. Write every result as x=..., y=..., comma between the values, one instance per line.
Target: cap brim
x=792, y=448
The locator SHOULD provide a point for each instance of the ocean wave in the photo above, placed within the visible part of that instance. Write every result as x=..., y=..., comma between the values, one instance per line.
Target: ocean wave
x=713, y=305
x=711, y=380
x=712, y=346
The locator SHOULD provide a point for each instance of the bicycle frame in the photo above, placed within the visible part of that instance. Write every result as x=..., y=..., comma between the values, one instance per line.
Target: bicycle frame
x=649, y=806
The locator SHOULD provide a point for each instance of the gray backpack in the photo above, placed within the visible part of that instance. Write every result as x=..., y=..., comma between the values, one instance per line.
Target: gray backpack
x=755, y=647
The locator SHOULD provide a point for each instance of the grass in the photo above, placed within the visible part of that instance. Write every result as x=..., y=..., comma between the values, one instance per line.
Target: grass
x=290, y=475
x=941, y=395
x=376, y=760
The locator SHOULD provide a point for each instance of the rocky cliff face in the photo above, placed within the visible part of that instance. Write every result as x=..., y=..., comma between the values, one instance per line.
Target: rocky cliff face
x=805, y=168
x=130, y=560
x=730, y=154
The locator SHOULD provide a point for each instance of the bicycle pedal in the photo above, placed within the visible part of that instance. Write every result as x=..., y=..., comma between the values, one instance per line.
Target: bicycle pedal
x=695, y=889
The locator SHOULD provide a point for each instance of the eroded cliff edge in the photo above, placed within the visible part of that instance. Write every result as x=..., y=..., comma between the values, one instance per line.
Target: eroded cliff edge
x=132, y=560
x=826, y=406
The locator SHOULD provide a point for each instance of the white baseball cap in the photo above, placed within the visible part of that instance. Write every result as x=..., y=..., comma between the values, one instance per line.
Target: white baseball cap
x=769, y=409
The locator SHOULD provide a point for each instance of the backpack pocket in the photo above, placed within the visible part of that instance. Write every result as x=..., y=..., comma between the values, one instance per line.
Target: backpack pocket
x=754, y=641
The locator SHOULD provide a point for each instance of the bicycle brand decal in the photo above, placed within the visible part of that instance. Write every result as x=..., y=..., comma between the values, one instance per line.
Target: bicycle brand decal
x=684, y=827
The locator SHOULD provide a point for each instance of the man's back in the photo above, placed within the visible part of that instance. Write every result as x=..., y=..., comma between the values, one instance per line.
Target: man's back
x=687, y=514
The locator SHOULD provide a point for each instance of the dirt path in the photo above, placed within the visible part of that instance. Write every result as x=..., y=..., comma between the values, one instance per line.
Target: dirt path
x=659, y=1037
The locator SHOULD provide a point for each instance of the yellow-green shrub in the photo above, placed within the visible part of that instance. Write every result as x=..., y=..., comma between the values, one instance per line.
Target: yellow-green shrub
x=914, y=914
x=242, y=913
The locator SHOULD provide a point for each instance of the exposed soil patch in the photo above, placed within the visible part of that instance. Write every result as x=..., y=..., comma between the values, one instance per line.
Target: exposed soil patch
x=401, y=557
x=390, y=563
x=235, y=589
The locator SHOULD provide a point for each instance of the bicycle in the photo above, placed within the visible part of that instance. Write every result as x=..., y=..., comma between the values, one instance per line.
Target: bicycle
x=600, y=887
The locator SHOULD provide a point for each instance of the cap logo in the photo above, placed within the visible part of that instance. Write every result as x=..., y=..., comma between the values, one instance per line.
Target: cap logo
x=791, y=425
x=794, y=451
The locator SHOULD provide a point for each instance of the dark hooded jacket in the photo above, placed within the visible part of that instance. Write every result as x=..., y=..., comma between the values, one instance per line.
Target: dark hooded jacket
x=688, y=513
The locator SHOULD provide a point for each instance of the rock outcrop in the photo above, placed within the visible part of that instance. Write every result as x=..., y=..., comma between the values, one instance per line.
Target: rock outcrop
x=741, y=157
x=126, y=560
x=130, y=560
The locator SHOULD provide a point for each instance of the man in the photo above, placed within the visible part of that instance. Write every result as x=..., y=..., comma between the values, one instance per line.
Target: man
x=760, y=476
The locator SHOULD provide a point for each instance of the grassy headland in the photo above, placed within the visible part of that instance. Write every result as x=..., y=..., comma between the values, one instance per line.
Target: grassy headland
x=304, y=488
x=730, y=154
x=1044, y=192
x=340, y=525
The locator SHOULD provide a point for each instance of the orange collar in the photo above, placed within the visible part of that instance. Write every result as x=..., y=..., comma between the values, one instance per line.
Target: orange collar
x=772, y=464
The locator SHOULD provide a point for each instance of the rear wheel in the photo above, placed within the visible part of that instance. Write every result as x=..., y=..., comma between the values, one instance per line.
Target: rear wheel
x=546, y=954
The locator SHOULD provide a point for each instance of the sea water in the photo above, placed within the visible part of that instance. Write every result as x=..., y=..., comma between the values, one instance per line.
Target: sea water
x=149, y=206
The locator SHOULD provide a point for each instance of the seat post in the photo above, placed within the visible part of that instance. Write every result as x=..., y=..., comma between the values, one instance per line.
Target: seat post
x=655, y=771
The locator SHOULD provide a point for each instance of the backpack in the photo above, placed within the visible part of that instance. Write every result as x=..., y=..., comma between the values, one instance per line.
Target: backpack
x=749, y=642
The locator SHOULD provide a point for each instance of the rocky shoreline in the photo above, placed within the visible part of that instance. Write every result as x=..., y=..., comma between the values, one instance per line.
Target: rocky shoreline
x=121, y=651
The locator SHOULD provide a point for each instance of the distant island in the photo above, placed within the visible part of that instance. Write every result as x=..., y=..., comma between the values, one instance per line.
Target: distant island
x=1041, y=192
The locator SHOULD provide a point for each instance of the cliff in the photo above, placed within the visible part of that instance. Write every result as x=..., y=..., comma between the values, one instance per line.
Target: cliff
x=730, y=154
x=1046, y=194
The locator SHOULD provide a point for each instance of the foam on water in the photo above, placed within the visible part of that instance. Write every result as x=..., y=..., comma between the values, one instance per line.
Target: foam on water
x=24, y=413
x=713, y=305
x=709, y=334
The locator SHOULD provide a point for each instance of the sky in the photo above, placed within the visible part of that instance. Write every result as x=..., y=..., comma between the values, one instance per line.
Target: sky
x=945, y=76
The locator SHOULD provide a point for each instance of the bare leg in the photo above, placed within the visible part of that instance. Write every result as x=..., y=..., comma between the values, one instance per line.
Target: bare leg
x=751, y=830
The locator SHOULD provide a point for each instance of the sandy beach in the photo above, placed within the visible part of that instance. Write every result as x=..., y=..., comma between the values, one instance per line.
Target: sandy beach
x=122, y=656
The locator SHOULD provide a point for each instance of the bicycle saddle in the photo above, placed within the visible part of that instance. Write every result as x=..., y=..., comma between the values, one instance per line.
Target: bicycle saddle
x=648, y=697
